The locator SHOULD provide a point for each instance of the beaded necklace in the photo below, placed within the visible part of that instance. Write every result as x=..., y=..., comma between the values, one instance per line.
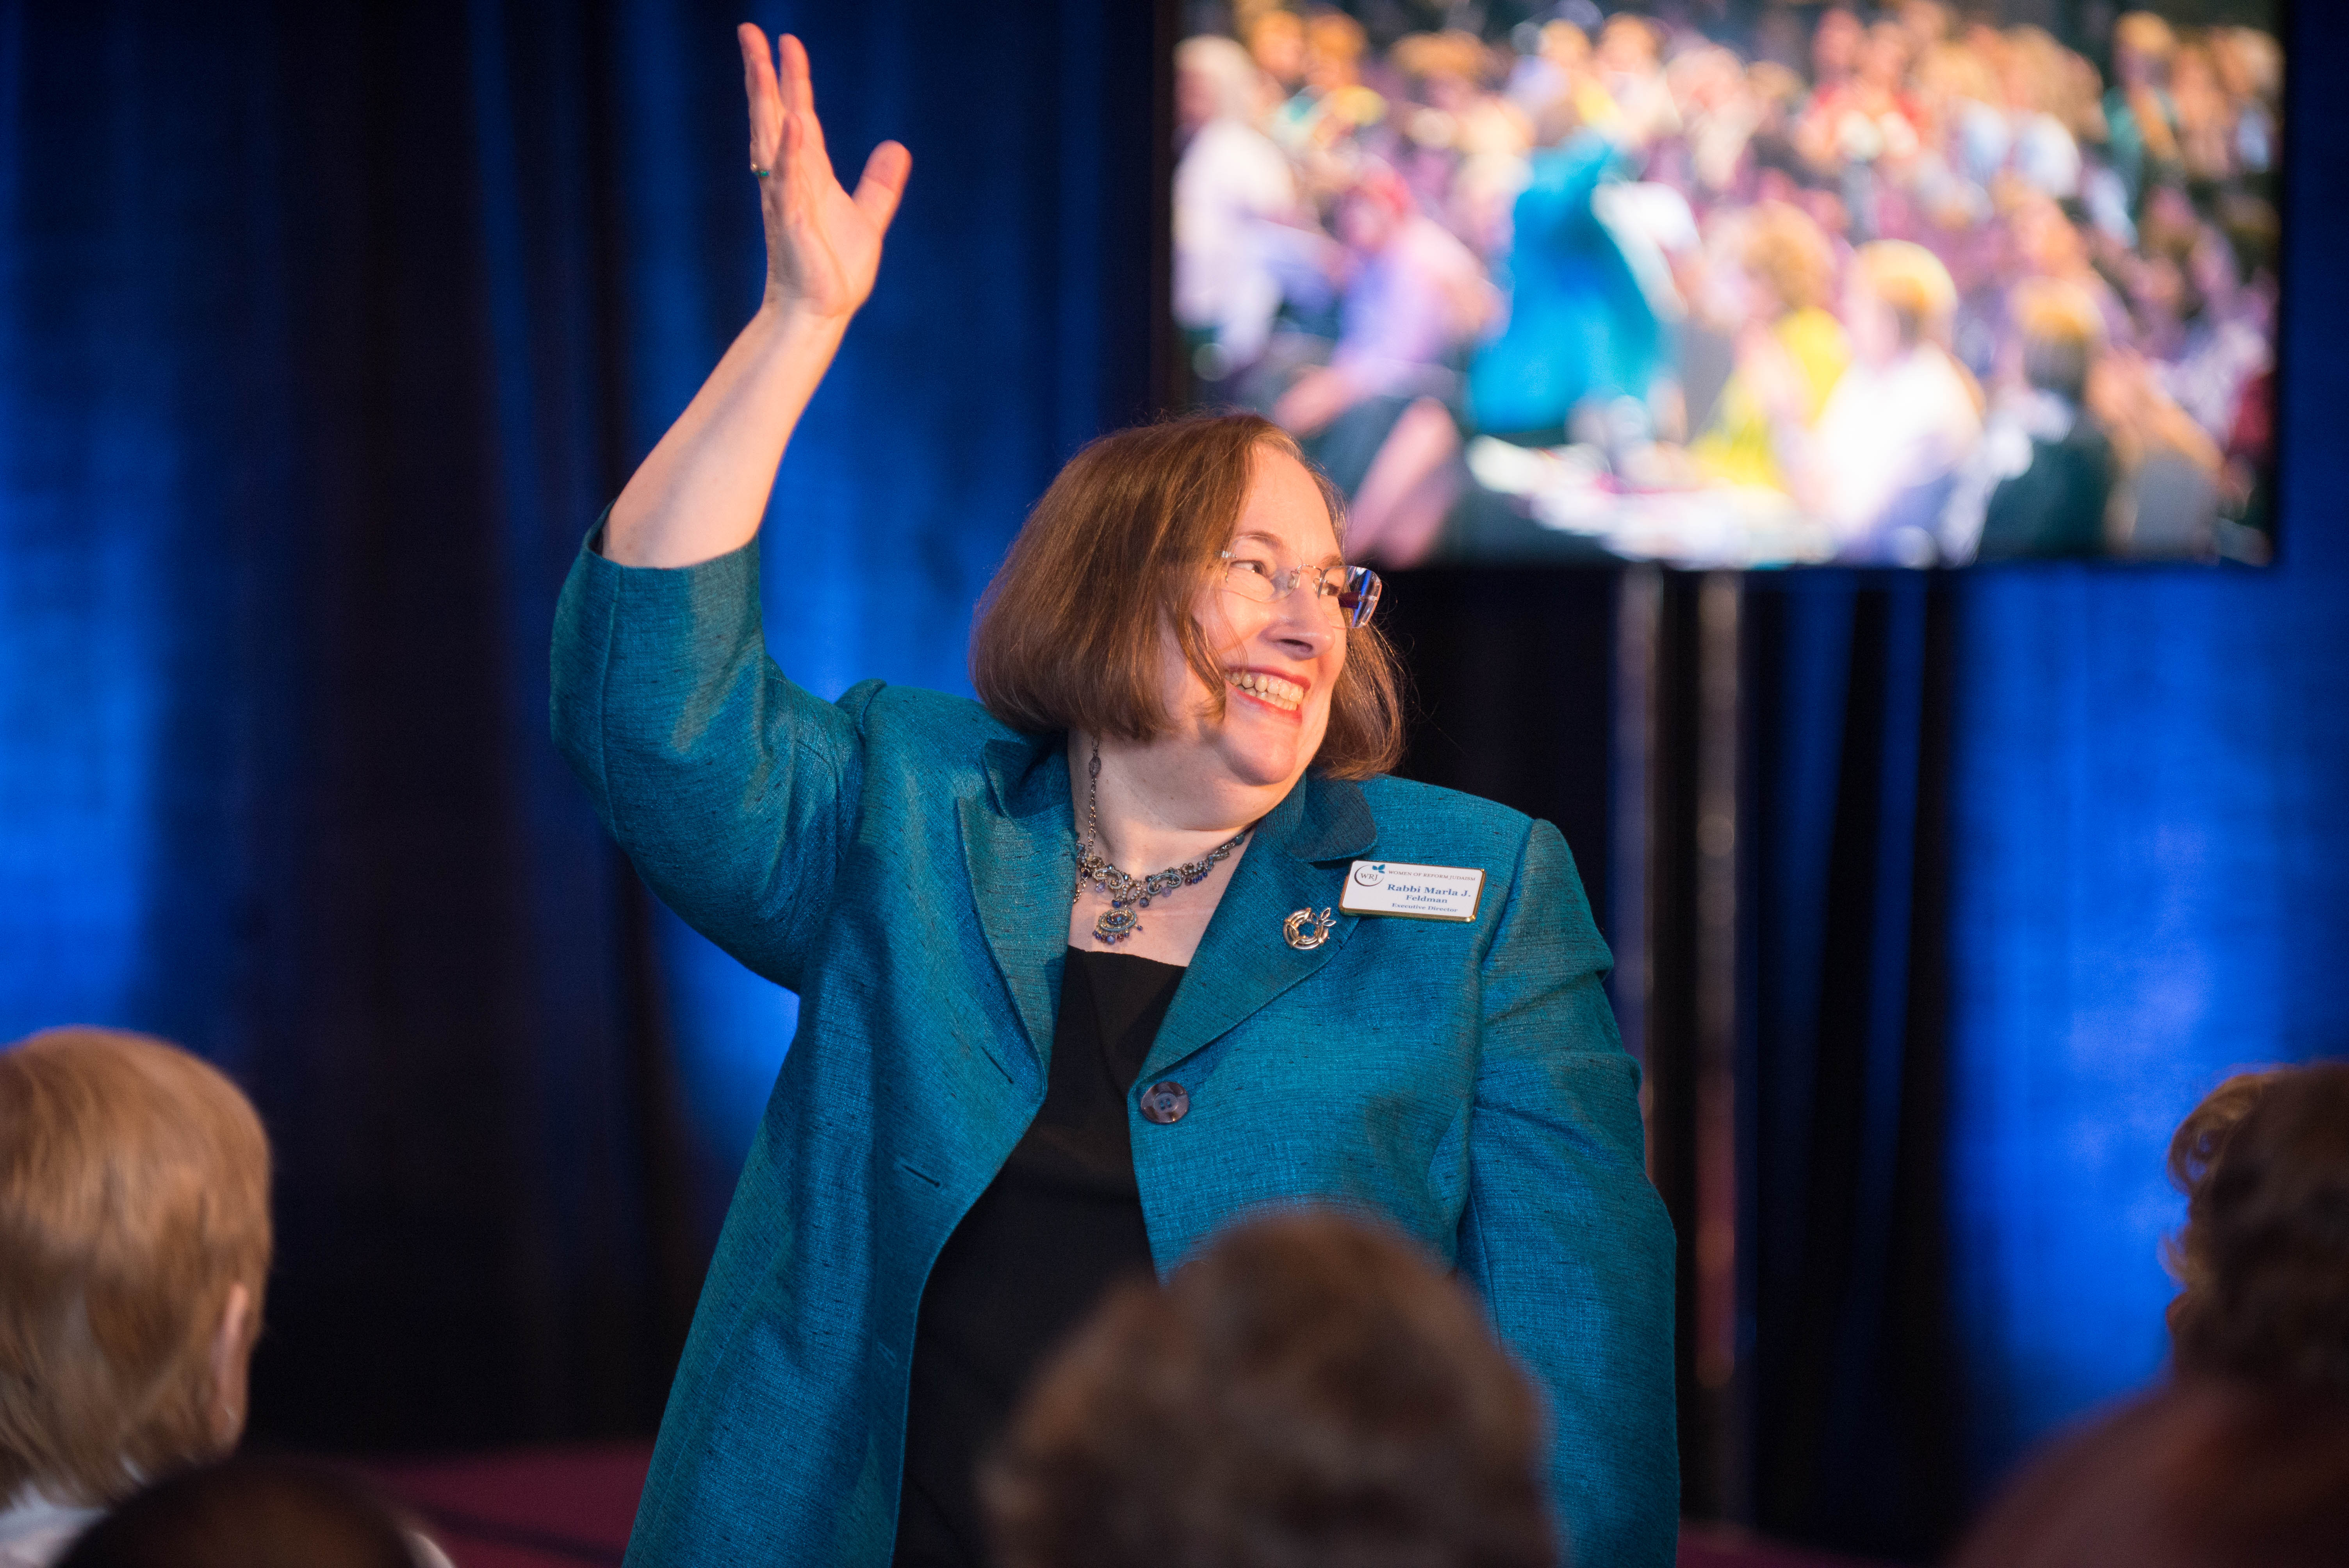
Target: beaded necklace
x=1129, y=894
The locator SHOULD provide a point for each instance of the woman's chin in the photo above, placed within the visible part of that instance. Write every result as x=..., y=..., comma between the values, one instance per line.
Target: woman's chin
x=1263, y=753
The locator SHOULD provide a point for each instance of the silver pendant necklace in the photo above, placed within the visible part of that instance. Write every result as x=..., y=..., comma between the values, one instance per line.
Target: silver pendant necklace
x=1128, y=894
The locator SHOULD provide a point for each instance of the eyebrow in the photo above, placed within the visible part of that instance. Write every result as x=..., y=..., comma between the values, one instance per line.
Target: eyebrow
x=1332, y=559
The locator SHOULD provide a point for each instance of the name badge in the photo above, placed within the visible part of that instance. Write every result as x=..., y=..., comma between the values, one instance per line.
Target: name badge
x=1420, y=893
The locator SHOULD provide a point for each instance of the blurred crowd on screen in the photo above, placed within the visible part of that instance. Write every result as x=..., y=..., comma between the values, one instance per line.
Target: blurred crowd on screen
x=1906, y=286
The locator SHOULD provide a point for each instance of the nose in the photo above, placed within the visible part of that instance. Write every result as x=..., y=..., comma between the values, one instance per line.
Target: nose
x=1303, y=627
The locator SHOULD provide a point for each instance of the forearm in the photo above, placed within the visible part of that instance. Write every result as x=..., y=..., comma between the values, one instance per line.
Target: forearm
x=701, y=491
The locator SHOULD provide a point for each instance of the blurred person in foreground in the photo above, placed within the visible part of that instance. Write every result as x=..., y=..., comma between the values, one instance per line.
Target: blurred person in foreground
x=134, y=1249
x=254, y=1513
x=1307, y=1393
x=2240, y=1459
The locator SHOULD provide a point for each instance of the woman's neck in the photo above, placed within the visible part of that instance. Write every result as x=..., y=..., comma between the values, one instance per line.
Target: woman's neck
x=1160, y=805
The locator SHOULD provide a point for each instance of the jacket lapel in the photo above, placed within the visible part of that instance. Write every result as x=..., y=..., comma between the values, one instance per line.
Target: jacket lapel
x=1015, y=844
x=1244, y=960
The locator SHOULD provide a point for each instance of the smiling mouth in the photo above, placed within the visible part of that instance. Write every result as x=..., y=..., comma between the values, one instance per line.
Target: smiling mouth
x=1271, y=689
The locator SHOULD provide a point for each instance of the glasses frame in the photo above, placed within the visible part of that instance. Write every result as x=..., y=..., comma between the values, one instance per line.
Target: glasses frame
x=1356, y=589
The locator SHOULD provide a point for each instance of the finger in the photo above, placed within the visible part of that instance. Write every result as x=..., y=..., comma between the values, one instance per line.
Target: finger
x=792, y=175
x=760, y=91
x=885, y=172
x=799, y=91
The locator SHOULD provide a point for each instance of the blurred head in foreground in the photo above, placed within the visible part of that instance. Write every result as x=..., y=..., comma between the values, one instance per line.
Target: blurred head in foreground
x=2264, y=1257
x=252, y=1513
x=1308, y=1391
x=134, y=1223
x=2243, y=1458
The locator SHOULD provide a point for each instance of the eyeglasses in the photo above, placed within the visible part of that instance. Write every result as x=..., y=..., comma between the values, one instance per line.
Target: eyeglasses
x=1345, y=593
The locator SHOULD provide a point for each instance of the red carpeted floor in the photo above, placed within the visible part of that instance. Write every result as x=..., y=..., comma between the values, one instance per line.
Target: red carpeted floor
x=1711, y=1546
x=562, y=1508
x=528, y=1508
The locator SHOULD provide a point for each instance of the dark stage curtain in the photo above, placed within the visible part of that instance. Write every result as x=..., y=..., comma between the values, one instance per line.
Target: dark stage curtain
x=1508, y=695
x=1850, y=1431
x=324, y=332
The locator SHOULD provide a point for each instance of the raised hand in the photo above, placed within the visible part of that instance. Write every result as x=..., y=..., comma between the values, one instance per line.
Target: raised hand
x=702, y=490
x=824, y=245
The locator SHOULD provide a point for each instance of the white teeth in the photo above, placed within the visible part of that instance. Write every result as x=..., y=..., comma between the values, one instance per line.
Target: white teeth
x=1281, y=694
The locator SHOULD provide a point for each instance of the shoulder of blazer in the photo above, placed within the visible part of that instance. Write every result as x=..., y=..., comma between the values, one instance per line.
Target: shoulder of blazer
x=1404, y=803
x=942, y=734
x=1426, y=824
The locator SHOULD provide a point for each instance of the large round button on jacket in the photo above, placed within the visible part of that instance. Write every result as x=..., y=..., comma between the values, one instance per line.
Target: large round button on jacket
x=1166, y=1103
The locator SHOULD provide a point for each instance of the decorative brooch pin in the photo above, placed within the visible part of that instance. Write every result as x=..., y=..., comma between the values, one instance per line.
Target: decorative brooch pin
x=1305, y=930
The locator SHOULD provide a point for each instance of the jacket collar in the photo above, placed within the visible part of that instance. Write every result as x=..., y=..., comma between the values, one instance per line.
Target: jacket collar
x=1020, y=850
x=1245, y=959
x=1022, y=863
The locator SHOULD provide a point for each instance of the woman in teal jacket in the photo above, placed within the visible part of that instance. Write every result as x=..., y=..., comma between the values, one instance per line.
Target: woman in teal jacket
x=1000, y=1094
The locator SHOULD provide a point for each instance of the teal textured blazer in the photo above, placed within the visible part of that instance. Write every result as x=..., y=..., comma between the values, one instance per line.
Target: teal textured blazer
x=904, y=863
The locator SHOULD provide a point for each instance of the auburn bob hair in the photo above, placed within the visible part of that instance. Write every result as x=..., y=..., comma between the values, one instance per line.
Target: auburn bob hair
x=134, y=1196
x=1114, y=558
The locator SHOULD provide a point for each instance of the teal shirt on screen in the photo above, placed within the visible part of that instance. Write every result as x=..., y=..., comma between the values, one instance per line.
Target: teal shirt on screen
x=904, y=863
x=1579, y=325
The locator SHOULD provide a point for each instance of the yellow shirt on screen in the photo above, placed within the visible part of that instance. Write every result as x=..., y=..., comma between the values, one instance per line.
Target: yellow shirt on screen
x=1736, y=446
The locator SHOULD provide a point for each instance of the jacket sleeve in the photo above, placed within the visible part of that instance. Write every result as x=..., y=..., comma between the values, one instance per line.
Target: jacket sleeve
x=1563, y=1233
x=731, y=787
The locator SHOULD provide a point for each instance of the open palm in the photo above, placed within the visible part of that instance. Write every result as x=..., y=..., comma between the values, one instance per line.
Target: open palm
x=824, y=245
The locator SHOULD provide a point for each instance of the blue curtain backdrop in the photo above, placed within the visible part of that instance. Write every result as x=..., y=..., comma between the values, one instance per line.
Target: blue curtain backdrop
x=2149, y=865
x=2043, y=854
x=324, y=332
